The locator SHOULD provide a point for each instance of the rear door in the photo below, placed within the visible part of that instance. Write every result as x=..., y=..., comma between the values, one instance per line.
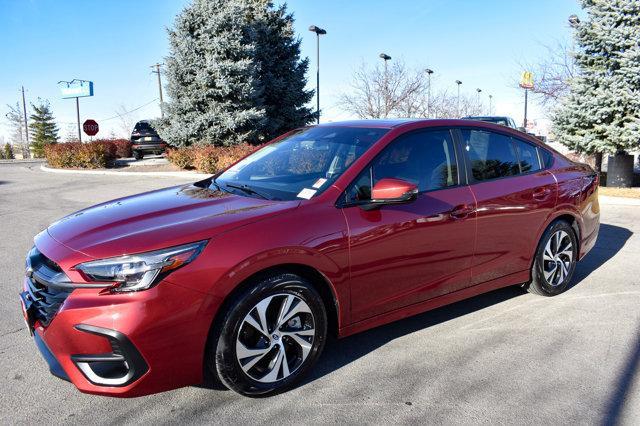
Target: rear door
x=515, y=195
x=403, y=254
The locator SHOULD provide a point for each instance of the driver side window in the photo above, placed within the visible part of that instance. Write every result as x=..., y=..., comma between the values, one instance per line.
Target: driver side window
x=425, y=158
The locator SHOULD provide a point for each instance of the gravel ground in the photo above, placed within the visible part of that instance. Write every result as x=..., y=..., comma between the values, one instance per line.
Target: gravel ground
x=505, y=357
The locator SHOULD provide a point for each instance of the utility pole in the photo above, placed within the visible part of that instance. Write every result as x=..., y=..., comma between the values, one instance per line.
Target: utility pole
x=157, y=71
x=24, y=109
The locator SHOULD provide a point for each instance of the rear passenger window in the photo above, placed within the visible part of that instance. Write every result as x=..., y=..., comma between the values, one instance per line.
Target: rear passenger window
x=492, y=155
x=528, y=155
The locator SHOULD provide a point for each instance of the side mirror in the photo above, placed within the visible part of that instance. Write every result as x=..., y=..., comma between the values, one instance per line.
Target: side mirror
x=391, y=191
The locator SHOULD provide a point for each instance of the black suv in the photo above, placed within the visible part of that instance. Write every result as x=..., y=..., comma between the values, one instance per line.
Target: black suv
x=145, y=140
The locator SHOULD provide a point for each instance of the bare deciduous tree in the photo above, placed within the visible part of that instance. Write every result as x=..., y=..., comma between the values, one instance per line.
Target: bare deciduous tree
x=402, y=92
x=16, y=121
x=127, y=119
x=552, y=73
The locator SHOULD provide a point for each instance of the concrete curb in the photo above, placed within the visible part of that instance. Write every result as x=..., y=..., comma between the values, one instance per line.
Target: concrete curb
x=194, y=175
x=618, y=201
x=20, y=161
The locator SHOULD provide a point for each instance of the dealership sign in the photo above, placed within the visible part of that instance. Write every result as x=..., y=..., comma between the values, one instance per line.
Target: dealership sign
x=76, y=88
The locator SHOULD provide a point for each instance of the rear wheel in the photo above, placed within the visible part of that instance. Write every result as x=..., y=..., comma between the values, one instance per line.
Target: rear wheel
x=270, y=336
x=138, y=155
x=555, y=260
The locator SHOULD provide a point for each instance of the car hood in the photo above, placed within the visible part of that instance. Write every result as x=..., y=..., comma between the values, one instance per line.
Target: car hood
x=159, y=219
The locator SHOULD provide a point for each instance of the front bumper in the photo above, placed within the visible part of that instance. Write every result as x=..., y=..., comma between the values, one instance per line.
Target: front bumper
x=128, y=345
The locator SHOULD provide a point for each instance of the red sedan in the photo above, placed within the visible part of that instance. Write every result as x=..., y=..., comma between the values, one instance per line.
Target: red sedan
x=336, y=228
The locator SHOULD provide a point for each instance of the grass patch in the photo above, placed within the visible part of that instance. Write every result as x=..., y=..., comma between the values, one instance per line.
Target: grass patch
x=619, y=192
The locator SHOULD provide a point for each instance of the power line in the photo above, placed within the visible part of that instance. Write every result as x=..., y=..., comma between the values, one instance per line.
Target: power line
x=117, y=115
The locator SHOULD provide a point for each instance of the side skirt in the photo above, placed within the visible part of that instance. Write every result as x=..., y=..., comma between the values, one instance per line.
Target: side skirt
x=437, y=302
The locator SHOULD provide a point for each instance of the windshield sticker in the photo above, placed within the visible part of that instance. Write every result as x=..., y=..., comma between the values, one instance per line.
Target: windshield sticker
x=319, y=183
x=307, y=193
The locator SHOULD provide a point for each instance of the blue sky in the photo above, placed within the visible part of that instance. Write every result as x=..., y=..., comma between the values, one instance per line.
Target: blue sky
x=114, y=42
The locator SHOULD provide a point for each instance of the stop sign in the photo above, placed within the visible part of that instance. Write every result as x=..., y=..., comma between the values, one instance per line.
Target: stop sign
x=90, y=127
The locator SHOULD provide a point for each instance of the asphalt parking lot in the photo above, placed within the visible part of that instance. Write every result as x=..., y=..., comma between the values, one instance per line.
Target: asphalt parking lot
x=504, y=357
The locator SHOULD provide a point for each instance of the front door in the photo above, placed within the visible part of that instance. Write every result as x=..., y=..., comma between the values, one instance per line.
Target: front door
x=408, y=253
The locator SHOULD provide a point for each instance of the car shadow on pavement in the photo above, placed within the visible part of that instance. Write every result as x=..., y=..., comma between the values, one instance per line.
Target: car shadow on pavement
x=610, y=241
x=339, y=353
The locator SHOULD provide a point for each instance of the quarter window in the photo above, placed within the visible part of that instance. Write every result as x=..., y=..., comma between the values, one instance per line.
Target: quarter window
x=528, y=155
x=492, y=155
x=425, y=158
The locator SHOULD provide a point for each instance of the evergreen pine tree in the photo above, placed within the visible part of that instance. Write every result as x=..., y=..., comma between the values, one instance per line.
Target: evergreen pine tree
x=211, y=76
x=282, y=74
x=234, y=74
x=601, y=114
x=43, y=128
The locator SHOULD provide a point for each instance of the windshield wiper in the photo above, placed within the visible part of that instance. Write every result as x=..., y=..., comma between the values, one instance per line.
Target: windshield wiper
x=246, y=189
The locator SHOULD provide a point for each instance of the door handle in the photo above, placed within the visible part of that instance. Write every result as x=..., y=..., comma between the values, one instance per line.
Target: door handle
x=461, y=212
x=541, y=193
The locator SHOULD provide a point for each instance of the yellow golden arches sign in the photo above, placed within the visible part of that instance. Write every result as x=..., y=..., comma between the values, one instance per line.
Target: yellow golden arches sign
x=526, y=81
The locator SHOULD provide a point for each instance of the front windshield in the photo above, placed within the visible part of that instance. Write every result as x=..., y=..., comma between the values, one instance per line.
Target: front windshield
x=300, y=166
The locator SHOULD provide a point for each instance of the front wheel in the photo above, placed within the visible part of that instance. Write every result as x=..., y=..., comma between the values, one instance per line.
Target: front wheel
x=555, y=260
x=270, y=336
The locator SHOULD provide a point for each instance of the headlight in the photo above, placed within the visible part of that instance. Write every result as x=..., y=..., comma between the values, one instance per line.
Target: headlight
x=140, y=271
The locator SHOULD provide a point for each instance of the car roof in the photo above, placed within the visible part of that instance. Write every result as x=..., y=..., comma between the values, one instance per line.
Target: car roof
x=391, y=123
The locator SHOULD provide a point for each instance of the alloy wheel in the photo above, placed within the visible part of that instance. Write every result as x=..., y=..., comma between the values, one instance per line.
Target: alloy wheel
x=557, y=258
x=275, y=338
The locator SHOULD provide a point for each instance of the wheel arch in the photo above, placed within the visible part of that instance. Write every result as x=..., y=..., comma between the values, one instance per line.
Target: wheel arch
x=571, y=217
x=320, y=282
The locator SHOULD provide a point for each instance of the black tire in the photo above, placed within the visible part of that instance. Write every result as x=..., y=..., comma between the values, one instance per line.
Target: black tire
x=138, y=155
x=540, y=284
x=225, y=334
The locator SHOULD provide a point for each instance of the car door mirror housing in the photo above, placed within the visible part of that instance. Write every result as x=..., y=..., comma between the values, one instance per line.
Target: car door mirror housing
x=391, y=191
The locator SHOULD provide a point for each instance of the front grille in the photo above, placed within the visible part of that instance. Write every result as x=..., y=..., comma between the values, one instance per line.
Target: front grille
x=48, y=286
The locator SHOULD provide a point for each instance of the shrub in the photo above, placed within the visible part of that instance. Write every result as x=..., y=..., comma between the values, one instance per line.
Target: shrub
x=91, y=155
x=205, y=159
x=181, y=157
x=228, y=155
x=208, y=159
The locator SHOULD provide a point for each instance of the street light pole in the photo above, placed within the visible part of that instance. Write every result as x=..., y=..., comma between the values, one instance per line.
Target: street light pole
x=490, y=98
x=478, y=100
x=429, y=72
x=385, y=57
x=157, y=71
x=458, y=82
x=574, y=21
x=319, y=31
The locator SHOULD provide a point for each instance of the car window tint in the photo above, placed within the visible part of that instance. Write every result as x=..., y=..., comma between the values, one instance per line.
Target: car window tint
x=491, y=154
x=528, y=156
x=425, y=158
